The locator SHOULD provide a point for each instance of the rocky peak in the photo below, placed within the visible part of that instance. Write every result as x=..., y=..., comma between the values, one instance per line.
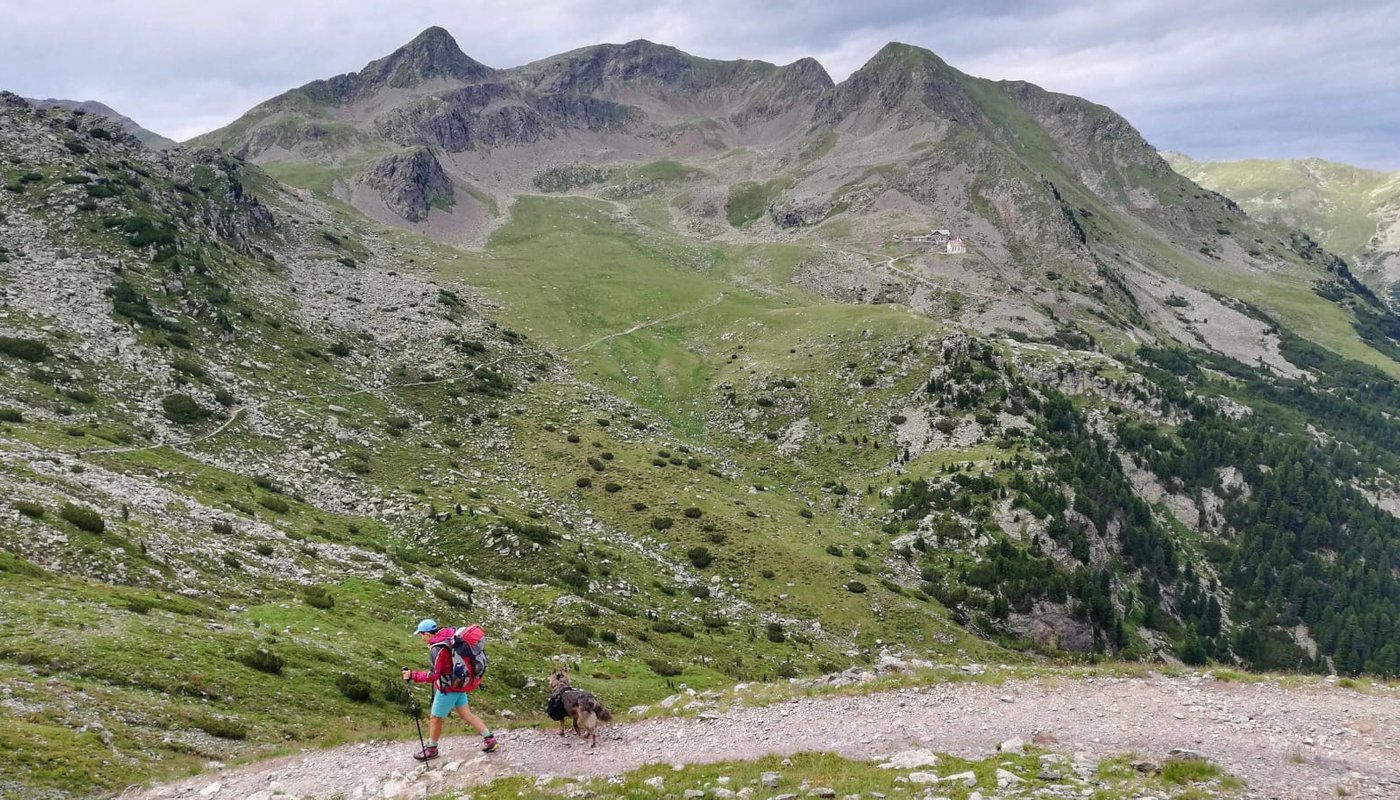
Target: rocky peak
x=431, y=54
x=910, y=81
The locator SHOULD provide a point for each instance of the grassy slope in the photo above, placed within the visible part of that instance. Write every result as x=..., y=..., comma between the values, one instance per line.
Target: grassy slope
x=772, y=560
x=1335, y=202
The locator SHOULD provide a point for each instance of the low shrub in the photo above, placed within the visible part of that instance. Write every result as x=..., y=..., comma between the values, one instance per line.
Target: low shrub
x=450, y=598
x=222, y=728
x=28, y=508
x=272, y=503
x=183, y=409
x=83, y=518
x=11, y=415
x=664, y=668
x=700, y=556
x=138, y=605
x=856, y=587
x=693, y=513
x=31, y=350
x=353, y=687
x=317, y=597
x=263, y=660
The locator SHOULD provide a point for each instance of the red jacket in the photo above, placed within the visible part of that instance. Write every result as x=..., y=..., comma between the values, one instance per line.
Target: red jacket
x=442, y=665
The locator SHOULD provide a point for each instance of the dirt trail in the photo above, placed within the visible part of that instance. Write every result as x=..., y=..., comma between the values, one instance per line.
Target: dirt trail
x=1289, y=744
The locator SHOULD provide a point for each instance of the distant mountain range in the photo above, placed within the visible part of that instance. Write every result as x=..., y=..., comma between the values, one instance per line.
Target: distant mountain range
x=151, y=139
x=1067, y=213
x=1352, y=211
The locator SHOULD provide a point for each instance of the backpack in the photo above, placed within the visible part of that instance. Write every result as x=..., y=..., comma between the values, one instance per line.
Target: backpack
x=468, y=660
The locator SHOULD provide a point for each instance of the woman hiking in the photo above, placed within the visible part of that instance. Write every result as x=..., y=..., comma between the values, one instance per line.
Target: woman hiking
x=450, y=690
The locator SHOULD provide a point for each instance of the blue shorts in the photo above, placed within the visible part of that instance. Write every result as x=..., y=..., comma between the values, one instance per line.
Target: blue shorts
x=444, y=702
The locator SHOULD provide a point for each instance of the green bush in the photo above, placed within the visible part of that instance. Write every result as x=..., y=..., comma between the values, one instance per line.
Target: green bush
x=11, y=415
x=138, y=605
x=664, y=668
x=775, y=633
x=451, y=599
x=188, y=366
x=835, y=550
x=31, y=350
x=83, y=518
x=583, y=483
x=272, y=503
x=662, y=523
x=856, y=587
x=700, y=556
x=264, y=549
x=183, y=409
x=671, y=626
x=263, y=660
x=353, y=687
x=29, y=509
x=693, y=513
x=222, y=728
x=577, y=636
x=317, y=597
x=612, y=488
x=223, y=527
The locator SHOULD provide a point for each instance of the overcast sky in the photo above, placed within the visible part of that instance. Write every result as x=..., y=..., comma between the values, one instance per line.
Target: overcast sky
x=1215, y=79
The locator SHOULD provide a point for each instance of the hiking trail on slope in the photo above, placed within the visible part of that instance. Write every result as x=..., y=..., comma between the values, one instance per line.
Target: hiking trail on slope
x=1285, y=743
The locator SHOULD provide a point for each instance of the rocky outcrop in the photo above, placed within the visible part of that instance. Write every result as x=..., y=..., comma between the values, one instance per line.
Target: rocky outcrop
x=410, y=183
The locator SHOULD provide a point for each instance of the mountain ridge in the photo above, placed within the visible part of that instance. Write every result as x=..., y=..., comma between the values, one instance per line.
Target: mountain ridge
x=1353, y=211
x=149, y=138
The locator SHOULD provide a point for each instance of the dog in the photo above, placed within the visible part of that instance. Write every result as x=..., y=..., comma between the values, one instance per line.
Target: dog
x=584, y=708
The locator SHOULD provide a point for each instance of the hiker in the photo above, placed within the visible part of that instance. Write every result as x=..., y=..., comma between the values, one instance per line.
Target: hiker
x=449, y=692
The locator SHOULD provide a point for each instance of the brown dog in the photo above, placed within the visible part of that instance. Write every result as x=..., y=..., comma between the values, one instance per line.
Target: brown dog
x=566, y=702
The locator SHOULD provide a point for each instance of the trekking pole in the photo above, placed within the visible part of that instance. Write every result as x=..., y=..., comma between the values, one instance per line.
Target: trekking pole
x=417, y=716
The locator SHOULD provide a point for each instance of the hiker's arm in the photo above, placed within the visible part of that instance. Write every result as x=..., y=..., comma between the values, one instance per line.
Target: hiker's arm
x=439, y=669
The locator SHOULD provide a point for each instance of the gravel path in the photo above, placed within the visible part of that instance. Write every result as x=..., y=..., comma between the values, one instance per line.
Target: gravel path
x=1290, y=743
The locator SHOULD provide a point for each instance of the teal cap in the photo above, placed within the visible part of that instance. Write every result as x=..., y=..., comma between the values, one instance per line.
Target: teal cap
x=426, y=626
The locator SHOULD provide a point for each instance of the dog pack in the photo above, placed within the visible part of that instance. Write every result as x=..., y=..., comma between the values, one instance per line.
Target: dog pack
x=468, y=659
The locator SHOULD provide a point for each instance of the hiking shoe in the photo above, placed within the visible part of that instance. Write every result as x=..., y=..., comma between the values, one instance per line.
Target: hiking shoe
x=489, y=744
x=426, y=754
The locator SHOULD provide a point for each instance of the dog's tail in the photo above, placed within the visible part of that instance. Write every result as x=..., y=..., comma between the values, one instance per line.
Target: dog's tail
x=602, y=711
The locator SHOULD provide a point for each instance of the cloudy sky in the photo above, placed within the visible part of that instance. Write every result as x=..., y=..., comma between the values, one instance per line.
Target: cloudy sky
x=1216, y=79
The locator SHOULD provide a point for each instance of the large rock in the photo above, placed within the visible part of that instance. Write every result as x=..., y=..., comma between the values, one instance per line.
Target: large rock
x=410, y=183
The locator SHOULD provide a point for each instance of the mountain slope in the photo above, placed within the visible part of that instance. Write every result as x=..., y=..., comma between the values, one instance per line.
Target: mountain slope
x=1350, y=211
x=149, y=138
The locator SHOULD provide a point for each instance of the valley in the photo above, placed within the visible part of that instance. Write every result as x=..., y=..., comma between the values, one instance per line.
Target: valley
x=619, y=355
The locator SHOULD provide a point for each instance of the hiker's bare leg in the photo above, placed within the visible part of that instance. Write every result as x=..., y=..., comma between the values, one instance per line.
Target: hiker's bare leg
x=471, y=719
x=434, y=728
